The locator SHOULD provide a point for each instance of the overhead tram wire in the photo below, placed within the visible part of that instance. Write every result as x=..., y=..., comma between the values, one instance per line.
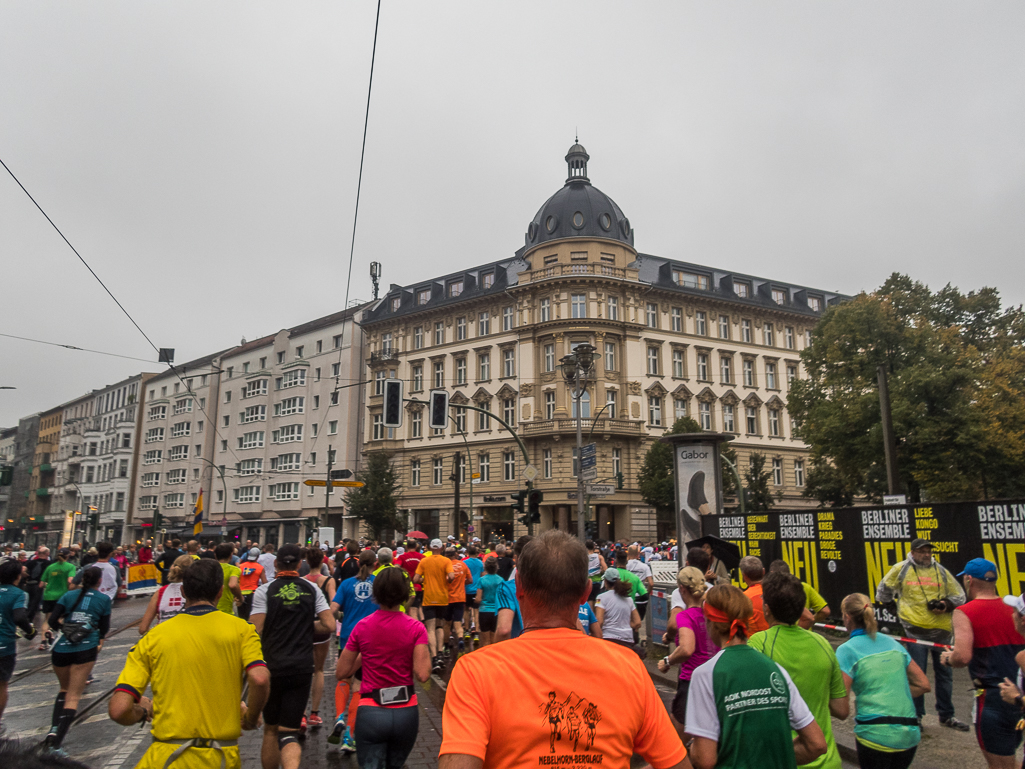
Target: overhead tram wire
x=79, y=349
x=355, y=214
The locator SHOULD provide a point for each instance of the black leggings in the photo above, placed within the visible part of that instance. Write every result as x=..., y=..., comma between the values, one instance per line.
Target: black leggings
x=385, y=736
x=870, y=758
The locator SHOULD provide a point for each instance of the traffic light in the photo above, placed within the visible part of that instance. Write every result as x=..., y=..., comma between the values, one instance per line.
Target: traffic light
x=6, y=476
x=518, y=505
x=619, y=480
x=393, y=403
x=439, y=409
x=158, y=520
x=534, y=500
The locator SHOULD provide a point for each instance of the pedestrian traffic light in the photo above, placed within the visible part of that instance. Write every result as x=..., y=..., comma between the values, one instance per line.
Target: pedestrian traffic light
x=439, y=409
x=619, y=480
x=534, y=500
x=518, y=505
x=393, y=403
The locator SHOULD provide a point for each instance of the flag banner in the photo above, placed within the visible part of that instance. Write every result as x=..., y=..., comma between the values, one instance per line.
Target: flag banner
x=142, y=579
x=197, y=516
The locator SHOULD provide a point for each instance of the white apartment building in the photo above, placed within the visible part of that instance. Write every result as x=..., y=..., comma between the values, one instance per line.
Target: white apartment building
x=254, y=424
x=66, y=511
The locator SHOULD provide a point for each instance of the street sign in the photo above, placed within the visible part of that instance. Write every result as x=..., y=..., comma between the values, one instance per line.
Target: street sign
x=477, y=479
x=589, y=473
x=589, y=449
x=469, y=528
x=350, y=484
x=530, y=473
x=600, y=489
x=475, y=475
x=340, y=475
x=895, y=499
x=313, y=482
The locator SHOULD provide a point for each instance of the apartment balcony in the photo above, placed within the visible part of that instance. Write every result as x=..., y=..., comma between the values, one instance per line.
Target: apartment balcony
x=44, y=492
x=568, y=425
x=573, y=270
x=46, y=467
x=384, y=355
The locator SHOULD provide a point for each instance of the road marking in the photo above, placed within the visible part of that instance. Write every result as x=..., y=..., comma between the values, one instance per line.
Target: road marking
x=44, y=704
x=126, y=750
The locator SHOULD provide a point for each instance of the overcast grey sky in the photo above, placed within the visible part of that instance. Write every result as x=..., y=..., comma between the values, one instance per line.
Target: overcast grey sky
x=203, y=156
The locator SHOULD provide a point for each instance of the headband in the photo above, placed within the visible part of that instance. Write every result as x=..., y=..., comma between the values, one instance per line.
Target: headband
x=714, y=615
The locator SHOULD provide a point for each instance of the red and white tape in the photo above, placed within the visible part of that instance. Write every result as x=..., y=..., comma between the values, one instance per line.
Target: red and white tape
x=842, y=629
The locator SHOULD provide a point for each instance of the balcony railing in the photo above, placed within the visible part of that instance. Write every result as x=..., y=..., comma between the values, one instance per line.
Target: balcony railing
x=43, y=492
x=590, y=268
x=384, y=354
x=570, y=425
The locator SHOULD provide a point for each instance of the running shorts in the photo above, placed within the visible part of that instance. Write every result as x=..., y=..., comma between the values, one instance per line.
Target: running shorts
x=488, y=621
x=595, y=589
x=455, y=612
x=471, y=601
x=286, y=704
x=995, y=724
x=435, y=612
x=63, y=659
x=48, y=607
x=7, y=667
x=418, y=599
x=679, y=706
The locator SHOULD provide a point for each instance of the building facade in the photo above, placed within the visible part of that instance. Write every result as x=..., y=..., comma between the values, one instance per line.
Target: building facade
x=248, y=426
x=671, y=339
x=8, y=438
x=66, y=514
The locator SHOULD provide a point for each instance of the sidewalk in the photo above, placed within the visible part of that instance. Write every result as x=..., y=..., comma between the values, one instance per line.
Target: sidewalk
x=941, y=748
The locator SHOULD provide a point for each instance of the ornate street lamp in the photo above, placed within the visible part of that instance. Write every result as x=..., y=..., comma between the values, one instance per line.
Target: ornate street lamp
x=576, y=370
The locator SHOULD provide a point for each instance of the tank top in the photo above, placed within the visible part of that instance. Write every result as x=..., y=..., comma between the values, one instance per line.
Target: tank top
x=171, y=602
x=996, y=642
x=594, y=567
x=320, y=637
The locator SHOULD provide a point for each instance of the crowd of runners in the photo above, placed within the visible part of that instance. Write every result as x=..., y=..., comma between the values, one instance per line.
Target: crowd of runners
x=238, y=637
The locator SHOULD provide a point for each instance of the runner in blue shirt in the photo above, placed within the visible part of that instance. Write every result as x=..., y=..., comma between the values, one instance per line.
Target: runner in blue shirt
x=487, y=598
x=476, y=567
x=510, y=622
x=589, y=620
x=13, y=614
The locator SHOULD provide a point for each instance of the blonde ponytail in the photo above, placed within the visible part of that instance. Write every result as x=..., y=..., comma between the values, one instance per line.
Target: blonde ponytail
x=858, y=607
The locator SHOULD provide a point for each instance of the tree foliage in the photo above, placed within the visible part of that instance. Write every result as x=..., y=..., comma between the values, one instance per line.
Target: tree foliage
x=376, y=502
x=656, y=478
x=956, y=376
x=757, y=479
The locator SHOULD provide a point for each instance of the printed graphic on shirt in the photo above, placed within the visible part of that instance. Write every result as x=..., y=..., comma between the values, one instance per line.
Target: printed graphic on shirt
x=572, y=721
x=363, y=590
x=289, y=594
x=759, y=699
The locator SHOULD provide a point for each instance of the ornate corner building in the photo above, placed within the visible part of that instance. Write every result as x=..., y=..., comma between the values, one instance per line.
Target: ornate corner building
x=672, y=339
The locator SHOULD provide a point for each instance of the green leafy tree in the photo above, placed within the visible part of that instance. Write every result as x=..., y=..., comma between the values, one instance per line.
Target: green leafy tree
x=376, y=502
x=656, y=478
x=956, y=376
x=757, y=479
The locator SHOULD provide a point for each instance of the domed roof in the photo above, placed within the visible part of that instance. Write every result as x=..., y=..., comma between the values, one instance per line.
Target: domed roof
x=579, y=209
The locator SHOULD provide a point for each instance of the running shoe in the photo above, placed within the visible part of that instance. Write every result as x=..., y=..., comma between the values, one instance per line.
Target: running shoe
x=953, y=723
x=302, y=727
x=314, y=720
x=466, y=636
x=336, y=734
x=438, y=665
x=90, y=679
x=476, y=638
x=348, y=746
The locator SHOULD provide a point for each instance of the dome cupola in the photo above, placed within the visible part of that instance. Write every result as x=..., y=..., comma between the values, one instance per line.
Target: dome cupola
x=579, y=209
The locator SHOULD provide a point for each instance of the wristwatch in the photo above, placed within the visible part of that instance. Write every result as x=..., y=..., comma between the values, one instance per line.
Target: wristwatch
x=666, y=660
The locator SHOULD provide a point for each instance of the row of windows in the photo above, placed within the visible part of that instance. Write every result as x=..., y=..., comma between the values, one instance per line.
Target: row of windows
x=439, y=334
x=458, y=420
x=174, y=454
x=483, y=371
x=727, y=375
x=104, y=472
x=452, y=288
x=741, y=288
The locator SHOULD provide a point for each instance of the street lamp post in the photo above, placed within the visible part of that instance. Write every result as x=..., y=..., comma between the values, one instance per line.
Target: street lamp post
x=576, y=370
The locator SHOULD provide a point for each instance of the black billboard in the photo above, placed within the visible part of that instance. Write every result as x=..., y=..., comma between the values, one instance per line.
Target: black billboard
x=849, y=550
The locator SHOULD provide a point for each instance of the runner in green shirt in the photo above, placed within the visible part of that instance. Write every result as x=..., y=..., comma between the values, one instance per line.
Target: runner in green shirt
x=232, y=593
x=636, y=586
x=806, y=656
x=54, y=582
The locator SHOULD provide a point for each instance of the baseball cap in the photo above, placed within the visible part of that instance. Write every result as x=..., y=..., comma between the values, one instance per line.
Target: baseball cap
x=254, y=552
x=435, y=544
x=1016, y=602
x=290, y=554
x=921, y=543
x=612, y=574
x=980, y=568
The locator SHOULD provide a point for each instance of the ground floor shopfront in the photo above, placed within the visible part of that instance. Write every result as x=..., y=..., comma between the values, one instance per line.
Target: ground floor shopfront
x=269, y=530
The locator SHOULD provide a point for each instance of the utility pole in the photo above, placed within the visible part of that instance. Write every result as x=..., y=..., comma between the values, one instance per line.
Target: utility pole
x=889, y=442
x=327, y=489
x=455, y=480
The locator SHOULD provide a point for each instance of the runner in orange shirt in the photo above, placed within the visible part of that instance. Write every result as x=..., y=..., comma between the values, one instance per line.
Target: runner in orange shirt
x=456, y=601
x=566, y=698
x=253, y=575
x=434, y=574
x=752, y=570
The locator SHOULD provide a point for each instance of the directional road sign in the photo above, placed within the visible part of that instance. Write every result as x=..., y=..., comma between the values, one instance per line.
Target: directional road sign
x=334, y=484
x=600, y=489
x=589, y=473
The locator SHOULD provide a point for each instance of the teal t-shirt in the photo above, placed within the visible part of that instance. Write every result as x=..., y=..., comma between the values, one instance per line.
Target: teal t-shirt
x=11, y=598
x=812, y=665
x=878, y=669
x=507, y=600
x=93, y=606
x=489, y=586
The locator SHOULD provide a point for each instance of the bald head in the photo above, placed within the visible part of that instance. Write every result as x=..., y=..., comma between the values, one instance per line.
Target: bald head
x=552, y=571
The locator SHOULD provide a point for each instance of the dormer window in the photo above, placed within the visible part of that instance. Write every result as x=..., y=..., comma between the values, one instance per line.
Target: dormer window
x=487, y=280
x=779, y=296
x=455, y=288
x=395, y=302
x=815, y=303
x=690, y=279
x=423, y=296
x=743, y=290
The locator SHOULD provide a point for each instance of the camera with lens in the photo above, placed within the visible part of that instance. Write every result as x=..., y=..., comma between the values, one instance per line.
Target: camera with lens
x=937, y=604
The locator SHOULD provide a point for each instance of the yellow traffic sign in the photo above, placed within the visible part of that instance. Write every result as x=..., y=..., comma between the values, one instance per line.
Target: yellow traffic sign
x=312, y=482
x=475, y=475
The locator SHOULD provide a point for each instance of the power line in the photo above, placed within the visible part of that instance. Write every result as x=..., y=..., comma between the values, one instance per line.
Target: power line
x=73, y=347
x=93, y=272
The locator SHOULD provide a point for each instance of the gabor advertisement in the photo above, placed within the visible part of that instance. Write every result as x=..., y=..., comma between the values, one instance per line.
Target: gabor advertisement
x=697, y=471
